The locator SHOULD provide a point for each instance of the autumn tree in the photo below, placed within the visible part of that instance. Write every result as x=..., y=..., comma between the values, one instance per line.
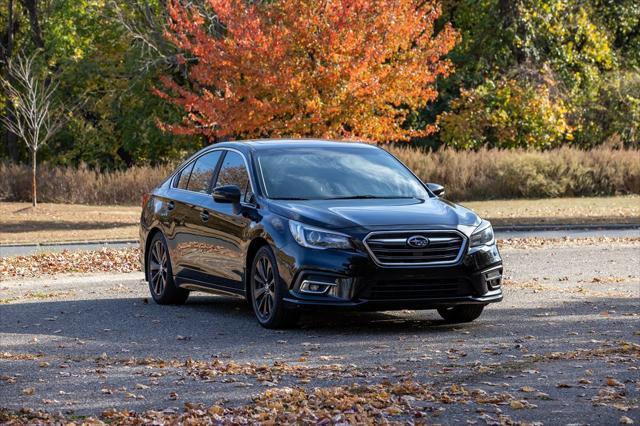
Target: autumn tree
x=296, y=68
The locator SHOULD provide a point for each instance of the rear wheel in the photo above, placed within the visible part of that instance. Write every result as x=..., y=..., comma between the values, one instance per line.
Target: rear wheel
x=267, y=292
x=161, y=283
x=461, y=313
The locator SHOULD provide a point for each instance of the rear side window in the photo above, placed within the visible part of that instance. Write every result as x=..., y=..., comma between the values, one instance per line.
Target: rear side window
x=202, y=172
x=234, y=172
x=183, y=178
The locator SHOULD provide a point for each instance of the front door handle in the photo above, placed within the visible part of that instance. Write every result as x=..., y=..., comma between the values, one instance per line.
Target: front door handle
x=204, y=216
x=171, y=205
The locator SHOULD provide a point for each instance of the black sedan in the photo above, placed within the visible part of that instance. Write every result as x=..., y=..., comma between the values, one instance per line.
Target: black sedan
x=290, y=225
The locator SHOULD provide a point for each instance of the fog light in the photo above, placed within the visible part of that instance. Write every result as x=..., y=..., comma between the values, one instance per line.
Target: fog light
x=327, y=285
x=494, y=279
x=315, y=287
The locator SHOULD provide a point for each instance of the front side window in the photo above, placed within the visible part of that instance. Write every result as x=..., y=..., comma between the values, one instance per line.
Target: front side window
x=234, y=172
x=202, y=172
x=336, y=173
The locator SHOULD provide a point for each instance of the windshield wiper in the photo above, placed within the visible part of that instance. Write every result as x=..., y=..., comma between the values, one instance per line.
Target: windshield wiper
x=291, y=199
x=364, y=197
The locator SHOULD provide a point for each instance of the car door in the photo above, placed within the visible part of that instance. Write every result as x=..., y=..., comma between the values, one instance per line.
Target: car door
x=226, y=228
x=192, y=237
x=173, y=210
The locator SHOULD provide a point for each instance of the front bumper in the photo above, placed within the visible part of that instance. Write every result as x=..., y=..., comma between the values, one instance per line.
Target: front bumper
x=354, y=281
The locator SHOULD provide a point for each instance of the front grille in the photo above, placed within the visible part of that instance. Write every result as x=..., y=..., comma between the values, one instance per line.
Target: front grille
x=392, y=248
x=424, y=288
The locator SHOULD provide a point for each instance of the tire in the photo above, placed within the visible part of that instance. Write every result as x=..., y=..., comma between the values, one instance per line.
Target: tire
x=267, y=291
x=461, y=313
x=161, y=283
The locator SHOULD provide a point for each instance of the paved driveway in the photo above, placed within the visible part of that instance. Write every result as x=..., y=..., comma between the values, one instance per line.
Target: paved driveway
x=562, y=347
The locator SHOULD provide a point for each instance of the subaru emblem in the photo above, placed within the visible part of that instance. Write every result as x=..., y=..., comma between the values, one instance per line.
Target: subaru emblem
x=418, y=241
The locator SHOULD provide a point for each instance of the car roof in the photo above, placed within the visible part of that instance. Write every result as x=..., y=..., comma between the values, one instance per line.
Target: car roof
x=267, y=144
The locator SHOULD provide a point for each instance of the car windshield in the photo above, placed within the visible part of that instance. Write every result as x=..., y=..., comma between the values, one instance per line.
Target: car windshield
x=321, y=173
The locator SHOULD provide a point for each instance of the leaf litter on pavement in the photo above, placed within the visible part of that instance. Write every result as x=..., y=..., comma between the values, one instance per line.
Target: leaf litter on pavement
x=370, y=399
x=64, y=262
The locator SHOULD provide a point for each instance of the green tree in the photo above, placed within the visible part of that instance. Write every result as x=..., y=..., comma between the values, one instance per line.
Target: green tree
x=579, y=53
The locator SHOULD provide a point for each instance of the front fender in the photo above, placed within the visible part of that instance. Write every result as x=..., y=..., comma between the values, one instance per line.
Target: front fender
x=273, y=230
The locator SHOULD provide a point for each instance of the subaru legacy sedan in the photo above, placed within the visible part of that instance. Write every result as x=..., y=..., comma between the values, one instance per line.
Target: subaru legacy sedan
x=293, y=225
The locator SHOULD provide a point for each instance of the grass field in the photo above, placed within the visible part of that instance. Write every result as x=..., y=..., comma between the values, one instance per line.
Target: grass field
x=20, y=223
x=559, y=210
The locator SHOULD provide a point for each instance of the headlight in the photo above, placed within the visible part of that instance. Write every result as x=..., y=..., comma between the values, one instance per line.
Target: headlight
x=308, y=236
x=483, y=235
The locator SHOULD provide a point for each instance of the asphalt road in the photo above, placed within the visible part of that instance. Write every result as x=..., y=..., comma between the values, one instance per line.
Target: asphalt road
x=560, y=342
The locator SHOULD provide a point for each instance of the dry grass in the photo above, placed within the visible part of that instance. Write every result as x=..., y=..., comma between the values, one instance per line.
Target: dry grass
x=468, y=175
x=80, y=185
x=500, y=174
x=72, y=222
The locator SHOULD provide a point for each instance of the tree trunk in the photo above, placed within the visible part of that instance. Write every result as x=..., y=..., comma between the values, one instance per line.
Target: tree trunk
x=34, y=21
x=33, y=179
x=509, y=15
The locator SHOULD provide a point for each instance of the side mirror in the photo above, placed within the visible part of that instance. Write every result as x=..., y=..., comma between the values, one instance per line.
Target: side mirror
x=438, y=190
x=227, y=194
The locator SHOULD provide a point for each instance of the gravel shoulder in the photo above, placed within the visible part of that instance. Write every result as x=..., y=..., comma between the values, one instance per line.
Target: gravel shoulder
x=562, y=348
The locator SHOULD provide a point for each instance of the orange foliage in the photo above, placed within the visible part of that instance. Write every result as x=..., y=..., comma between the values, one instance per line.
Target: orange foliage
x=306, y=68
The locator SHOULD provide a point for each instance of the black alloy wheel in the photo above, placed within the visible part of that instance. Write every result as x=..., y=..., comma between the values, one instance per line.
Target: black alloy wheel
x=267, y=292
x=264, y=288
x=158, y=261
x=161, y=283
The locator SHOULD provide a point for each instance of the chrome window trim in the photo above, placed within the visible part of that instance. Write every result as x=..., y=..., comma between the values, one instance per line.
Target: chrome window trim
x=463, y=248
x=246, y=165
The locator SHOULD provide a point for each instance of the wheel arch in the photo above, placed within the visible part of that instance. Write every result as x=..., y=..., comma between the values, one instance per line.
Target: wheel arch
x=152, y=233
x=253, y=248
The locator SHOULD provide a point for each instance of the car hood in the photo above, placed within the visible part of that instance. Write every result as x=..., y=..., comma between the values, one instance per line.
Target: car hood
x=377, y=214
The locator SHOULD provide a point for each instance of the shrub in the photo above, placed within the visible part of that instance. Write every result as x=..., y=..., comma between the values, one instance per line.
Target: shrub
x=506, y=114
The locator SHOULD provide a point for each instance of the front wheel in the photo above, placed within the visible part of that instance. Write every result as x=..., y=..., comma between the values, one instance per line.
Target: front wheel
x=161, y=283
x=461, y=313
x=267, y=291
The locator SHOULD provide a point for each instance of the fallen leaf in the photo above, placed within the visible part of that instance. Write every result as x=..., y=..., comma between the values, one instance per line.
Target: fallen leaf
x=614, y=383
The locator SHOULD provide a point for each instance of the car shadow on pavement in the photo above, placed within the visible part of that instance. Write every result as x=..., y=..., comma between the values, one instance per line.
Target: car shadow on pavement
x=226, y=324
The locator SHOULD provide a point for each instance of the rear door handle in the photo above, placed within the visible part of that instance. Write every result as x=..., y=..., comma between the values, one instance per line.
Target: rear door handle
x=204, y=216
x=171, y=205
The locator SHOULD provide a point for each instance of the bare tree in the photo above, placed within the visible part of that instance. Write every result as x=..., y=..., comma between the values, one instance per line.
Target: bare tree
x=36, y=116
x=145, y=23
